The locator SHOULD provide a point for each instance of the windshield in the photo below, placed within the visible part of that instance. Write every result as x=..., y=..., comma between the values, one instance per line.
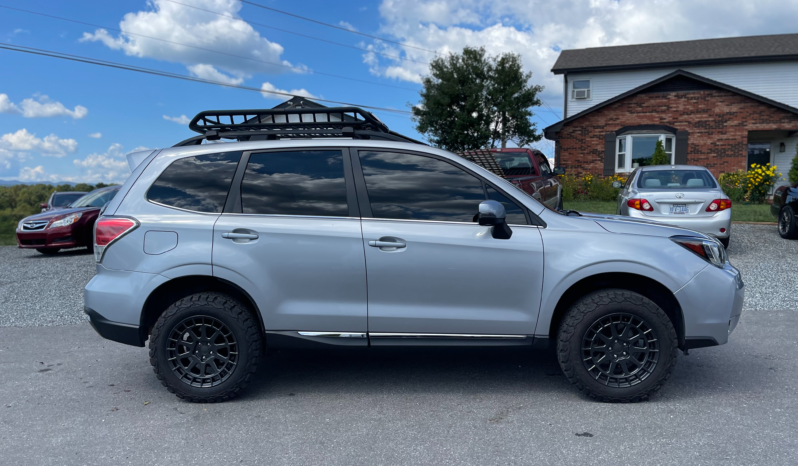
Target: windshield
x=95, y=198
x=676, y=179
x=514, y=163
x=63, y=200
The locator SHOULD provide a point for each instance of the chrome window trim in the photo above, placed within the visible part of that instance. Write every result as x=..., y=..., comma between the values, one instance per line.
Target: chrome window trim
x=333, y=334
x=446, y=335
x=290, y=216
x=439, y=221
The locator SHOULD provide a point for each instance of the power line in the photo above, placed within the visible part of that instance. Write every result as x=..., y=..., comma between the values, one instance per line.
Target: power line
x=251, y=23
x=337, y=27
x=207, y=50
x=166, y=74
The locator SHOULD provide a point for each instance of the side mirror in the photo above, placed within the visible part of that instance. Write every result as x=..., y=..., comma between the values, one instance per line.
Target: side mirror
x=559, y=171
x=43, y=206
x=617, y=184
x=492, y=213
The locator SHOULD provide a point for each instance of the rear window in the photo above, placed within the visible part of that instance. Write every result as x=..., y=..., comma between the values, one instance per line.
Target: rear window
x=96, y=198
x=514, y=163
x=63, y=200
x=309, y=182
x=676, y=179
x=198, y=183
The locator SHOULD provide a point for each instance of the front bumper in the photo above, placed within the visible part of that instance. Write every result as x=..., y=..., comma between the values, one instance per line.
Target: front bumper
x=709, y=225
x=115, y=331
x=62, y=237
x=712, y=303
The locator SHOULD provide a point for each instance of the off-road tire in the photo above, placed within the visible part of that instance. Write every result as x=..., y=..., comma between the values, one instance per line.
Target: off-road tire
x=585, y=313
x=236, y=317
x=788, y=226
x=48, y=251
x=724, y=242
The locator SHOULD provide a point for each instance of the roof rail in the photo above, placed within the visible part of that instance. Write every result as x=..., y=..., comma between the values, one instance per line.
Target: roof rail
x=287, y=123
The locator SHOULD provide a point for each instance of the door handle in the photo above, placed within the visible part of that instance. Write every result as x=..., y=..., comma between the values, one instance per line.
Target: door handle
x=231, y=235
x=387, y=244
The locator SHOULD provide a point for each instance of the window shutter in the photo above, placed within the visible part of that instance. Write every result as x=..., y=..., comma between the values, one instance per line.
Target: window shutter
x=680, y=157
x=609, y=153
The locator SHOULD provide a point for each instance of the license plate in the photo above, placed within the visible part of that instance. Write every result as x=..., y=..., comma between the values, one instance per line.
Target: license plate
x=679, y=209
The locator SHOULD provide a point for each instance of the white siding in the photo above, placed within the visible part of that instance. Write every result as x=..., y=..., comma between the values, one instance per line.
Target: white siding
x=783, y=160
x=776, y=81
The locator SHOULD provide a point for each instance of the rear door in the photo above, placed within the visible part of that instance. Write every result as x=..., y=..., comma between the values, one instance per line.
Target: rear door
x=446, y=276
x=290, y=236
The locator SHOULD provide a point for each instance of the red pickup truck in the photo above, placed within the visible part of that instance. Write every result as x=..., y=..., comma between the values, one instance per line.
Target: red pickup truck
x=526, y=168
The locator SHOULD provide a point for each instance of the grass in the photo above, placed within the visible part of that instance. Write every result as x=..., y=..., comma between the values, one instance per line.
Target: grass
x=740, y=212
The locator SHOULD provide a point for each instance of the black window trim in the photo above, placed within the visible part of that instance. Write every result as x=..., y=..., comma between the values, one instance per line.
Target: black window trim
x=532, y=219
x=229, y=190
x=233, y=204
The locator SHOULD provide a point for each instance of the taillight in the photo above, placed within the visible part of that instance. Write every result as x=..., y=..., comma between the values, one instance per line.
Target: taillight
x=719, y=204
x=640, y=204
x=708, y=249
x=107, y=230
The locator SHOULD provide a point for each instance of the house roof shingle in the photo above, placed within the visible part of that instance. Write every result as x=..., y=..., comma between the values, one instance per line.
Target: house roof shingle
x=705, y=51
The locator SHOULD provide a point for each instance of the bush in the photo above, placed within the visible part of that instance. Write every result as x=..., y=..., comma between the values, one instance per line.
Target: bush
x=660, y=157
x=589, y=187
x=751, y=186
x=793, y=173
x=734, y=185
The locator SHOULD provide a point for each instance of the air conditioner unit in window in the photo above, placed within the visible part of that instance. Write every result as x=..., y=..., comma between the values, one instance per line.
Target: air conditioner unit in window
x=581, y=93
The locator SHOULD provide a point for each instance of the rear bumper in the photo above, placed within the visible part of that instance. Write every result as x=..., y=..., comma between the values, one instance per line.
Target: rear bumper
x=63, y=237
x=712, y=303
x=115, y=331
x=709, y=225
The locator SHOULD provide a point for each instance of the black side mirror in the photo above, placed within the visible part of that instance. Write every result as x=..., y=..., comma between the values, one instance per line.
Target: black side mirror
x=559, y=171
x=492, y=213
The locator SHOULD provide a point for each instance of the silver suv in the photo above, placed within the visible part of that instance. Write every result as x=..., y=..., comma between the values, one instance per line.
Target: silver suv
x=321, y=227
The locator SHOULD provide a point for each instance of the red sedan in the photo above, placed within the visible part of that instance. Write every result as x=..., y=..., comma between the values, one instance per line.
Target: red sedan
x=73, y=227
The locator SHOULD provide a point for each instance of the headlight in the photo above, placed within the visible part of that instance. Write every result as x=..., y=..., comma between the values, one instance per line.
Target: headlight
x=19, y=225
x=68, y=220
x=710, y=250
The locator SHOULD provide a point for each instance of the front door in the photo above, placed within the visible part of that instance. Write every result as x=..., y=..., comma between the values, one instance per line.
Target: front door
x=292, y=240
x=431, y=269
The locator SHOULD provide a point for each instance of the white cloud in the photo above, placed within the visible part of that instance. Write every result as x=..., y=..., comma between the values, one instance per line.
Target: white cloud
x=6, y=106
x=33, y=174
x=96, y=135
x=344, y=24
x=107, y=167
x=208, y=72
x=181, y=24
x=271, y=87
x=51, y=146
x=538, y=32
x=182, y=119
x=41, y=107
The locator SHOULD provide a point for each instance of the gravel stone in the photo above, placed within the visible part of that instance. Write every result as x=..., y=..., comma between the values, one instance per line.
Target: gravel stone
x=37, y=290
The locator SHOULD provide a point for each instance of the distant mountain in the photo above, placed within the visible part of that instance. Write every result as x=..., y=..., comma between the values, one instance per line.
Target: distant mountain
x=54, y=183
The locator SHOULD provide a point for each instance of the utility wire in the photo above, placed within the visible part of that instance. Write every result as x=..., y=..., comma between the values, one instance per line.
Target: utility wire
x=166, y=74
x=303, y=70
x=251, y=23
x=337, y=27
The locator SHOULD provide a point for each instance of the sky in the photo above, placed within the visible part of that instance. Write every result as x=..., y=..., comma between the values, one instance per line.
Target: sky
x=68, y=121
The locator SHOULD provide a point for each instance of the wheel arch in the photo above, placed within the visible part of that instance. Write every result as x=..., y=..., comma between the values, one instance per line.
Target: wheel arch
x=648, y=287
x=177, y=288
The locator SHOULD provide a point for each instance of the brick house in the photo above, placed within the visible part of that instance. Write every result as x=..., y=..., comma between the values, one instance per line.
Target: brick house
x=720, y=103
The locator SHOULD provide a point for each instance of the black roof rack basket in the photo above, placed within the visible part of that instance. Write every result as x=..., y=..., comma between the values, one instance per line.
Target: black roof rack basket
x=286, y=123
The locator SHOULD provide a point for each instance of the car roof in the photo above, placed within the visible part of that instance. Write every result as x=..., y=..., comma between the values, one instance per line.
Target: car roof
x=650, y=168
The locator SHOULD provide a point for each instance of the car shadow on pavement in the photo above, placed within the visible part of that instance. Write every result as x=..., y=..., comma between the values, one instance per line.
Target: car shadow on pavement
x=64, y=253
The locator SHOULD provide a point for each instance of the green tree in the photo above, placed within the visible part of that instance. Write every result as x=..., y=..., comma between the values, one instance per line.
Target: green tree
x=472, y=101
x=660, y=157
x=793, y=173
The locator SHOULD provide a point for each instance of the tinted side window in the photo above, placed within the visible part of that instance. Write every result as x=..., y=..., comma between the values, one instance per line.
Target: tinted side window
x=197, y=183
x=414, y=187
x=515, y=214
x=295, y=183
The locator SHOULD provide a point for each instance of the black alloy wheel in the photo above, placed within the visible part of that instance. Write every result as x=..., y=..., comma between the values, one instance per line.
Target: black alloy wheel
x=788, y=227
x=202, y=351
x=620, y=350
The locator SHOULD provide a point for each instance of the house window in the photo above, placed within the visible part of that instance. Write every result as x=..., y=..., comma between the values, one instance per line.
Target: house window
x=636, y=150
x=580, y=89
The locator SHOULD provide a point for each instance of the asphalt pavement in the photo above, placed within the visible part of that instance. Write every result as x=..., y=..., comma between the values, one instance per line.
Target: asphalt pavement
x=69, y=397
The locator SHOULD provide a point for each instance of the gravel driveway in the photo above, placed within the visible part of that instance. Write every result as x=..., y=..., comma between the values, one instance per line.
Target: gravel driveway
x=48, y=290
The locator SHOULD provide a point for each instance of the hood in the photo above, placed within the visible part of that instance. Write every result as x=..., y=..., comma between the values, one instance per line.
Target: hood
x=633, y=226
x=49, y=215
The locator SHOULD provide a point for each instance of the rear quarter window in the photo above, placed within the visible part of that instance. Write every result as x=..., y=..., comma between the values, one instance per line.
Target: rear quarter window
x=199, y=183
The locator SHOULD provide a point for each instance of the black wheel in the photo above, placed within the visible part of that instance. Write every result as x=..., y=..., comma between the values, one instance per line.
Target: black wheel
x=788, y=227
x=48, y=251
x=205, y=347
x=725, y=242
x=617, y=346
